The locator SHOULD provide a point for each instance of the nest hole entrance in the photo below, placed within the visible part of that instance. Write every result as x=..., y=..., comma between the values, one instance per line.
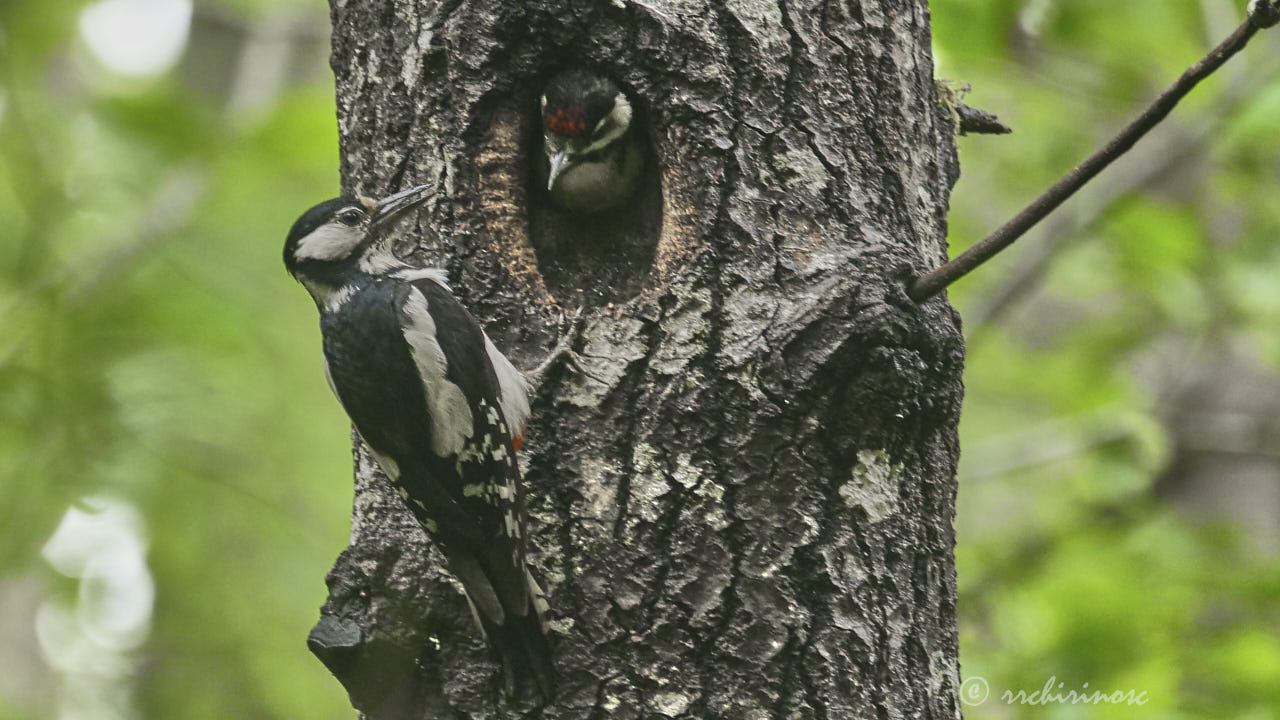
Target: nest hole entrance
x=597, y=258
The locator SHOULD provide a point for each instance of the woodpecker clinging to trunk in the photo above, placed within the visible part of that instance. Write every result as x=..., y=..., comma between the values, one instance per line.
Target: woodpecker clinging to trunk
x=594, y=153
x=442, y=410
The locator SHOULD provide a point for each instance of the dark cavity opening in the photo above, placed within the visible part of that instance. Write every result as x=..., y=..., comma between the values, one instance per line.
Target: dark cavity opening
x=596, y=258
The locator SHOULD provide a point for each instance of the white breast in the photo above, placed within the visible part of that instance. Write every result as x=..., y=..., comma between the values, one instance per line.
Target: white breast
x=597, y=186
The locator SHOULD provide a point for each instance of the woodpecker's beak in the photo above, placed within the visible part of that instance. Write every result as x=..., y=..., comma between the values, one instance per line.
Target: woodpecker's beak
x=559, y=163
x=389, y=208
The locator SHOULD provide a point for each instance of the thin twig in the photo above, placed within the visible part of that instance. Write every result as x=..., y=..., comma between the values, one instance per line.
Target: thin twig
x=1262, y=14
x=1060, y=232
x=1147, y=165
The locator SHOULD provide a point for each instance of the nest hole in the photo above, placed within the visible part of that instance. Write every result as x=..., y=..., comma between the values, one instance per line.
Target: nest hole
x=595, y=258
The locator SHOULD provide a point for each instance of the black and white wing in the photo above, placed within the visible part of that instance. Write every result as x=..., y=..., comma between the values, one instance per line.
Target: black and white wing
x=476, y=407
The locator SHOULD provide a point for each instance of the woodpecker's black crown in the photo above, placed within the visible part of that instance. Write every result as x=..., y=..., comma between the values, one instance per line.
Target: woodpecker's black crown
x=316, y=216
x=576, y=100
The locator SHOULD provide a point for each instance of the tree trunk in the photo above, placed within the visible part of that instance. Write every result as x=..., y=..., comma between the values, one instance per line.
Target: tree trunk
x=741, y=502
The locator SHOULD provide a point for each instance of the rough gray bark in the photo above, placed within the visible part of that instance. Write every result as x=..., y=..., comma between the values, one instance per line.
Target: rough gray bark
x=742, y=505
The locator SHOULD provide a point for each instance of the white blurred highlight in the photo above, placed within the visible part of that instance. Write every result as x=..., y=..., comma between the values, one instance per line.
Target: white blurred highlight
x=136, y=37
x=90, y=644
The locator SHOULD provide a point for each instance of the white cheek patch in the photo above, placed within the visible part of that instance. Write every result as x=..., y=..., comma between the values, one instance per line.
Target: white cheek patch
x=447, y=408
x=332, y=241
x=618, y=120
x=597, y=143
x=620, y=115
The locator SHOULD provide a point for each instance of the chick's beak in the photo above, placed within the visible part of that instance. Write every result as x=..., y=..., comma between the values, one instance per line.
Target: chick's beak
x=559, y=163
x=391, y=207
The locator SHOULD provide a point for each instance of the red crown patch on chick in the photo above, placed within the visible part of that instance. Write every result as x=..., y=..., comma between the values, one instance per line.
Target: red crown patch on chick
x=570, y=121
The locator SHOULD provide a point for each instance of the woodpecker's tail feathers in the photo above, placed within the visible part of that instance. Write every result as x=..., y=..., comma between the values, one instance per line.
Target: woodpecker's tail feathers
x=513, y=619
x=525, y=653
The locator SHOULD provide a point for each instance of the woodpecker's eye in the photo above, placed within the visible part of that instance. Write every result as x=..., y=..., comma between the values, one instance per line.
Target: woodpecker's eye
x=350, y=217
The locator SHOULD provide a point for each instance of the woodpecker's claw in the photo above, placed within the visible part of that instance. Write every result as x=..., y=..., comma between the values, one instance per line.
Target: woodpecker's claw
x=563, y=349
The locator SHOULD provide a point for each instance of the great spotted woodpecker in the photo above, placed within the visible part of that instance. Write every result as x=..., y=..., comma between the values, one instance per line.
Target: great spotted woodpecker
x=439, y=407
x=594, y=153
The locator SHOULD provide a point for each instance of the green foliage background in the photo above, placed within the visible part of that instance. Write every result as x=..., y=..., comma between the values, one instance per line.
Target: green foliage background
x=153, y=349
x=1072, y=562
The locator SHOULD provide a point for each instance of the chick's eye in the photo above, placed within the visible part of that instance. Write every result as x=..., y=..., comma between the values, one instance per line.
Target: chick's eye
x=350, y=218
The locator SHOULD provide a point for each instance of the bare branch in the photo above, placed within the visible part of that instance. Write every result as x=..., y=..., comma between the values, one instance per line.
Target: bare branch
x=1262, y=14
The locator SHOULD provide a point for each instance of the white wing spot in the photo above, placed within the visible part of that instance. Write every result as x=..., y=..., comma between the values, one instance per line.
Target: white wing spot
x=513, y=389
x=447, y=408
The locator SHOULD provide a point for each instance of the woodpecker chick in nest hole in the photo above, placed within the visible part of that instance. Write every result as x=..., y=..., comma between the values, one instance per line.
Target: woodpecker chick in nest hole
x=593, y=154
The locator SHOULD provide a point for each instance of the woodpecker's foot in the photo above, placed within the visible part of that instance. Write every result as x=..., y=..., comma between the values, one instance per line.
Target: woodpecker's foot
x=570, y=324
x=562, y=350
